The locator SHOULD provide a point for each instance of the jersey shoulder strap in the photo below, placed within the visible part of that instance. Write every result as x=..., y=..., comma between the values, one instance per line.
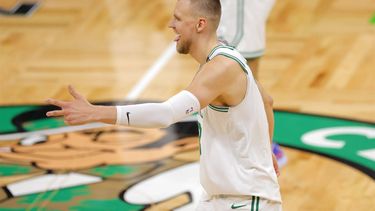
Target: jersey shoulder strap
x=230, y=53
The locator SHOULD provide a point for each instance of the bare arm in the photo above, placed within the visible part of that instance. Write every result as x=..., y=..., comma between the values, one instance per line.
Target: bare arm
x=268, y=107
x=214, y=80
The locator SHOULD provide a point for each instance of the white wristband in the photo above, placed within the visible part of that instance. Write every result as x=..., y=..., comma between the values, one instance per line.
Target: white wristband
x=158, y=115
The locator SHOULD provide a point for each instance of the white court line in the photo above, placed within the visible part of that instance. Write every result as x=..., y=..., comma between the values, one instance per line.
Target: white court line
x=152, y=72
x=133, y=95
x=59, y=130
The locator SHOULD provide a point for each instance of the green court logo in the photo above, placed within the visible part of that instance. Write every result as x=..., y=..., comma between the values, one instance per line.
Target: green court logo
x=348, y=141
x=68, y=167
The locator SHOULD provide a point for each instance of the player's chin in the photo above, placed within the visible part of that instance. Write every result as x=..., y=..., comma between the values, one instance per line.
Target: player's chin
x=182, y=49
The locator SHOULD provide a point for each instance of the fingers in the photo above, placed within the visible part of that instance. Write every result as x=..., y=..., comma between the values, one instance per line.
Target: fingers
x=68, y=118
x=55, y=102
x=74, y=93
x=55, y=113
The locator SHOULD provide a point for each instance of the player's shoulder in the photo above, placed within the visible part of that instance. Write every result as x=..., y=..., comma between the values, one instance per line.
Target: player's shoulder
x=218, y=64
x=219, y=71
x=222, y=63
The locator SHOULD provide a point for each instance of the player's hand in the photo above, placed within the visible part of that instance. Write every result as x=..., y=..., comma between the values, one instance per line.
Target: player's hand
x=77, y=111
x=275, y=165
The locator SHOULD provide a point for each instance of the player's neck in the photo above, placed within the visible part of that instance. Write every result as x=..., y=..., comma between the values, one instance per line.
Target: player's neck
x=202, y=48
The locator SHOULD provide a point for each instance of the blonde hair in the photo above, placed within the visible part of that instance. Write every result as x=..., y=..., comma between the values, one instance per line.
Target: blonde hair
x=210, y=9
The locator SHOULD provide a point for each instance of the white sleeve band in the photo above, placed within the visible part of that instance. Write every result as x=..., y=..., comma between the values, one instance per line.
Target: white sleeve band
x=158, y=115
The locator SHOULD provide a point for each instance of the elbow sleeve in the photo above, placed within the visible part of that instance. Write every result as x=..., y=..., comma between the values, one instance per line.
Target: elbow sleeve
x=158, y=115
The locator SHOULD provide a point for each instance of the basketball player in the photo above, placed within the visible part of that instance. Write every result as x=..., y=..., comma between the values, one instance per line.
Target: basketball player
x=237, y=166
x=242, y=25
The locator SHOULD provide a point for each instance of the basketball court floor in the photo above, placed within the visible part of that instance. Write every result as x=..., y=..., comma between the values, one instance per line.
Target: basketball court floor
x=319, y=67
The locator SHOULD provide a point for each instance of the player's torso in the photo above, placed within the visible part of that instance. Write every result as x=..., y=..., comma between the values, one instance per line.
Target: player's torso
x=235, y=147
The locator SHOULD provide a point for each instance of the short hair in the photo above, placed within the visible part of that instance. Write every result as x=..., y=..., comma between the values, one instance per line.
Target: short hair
x=208, y=8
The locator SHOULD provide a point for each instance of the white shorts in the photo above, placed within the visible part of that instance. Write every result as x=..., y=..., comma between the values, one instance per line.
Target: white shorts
x=231, y=203
x=243, y=25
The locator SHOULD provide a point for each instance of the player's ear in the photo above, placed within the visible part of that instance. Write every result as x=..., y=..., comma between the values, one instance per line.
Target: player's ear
x=201, y=24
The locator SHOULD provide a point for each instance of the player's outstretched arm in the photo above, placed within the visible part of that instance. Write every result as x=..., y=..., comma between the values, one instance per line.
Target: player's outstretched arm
x=147, y=115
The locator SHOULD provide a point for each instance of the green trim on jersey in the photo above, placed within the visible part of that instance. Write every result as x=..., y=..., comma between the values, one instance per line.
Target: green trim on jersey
x=235, y=59
x=243, y=66
x=219, y=108
x=254, y=203
x=218, y=47
x=200, y=137
x=212, y=52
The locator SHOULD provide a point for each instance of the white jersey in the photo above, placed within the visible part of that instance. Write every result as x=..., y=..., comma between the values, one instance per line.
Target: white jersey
x=243, y=25
x=236, y=157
